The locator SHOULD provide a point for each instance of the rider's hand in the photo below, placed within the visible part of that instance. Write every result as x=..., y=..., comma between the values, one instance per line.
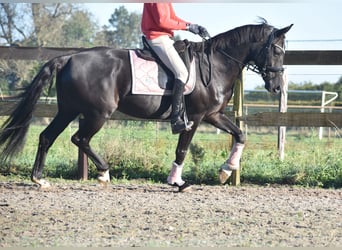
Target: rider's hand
x=193, y=28
x=198, y=30
x=203, y=32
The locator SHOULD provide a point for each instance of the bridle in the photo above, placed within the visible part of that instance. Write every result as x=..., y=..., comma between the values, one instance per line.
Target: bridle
x=265, y=69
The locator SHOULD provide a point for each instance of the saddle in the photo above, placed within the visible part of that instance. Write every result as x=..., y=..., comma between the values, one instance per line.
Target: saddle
x=184, y=49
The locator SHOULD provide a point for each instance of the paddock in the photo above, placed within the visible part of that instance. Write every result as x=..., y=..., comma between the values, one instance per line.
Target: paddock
x=139, y=214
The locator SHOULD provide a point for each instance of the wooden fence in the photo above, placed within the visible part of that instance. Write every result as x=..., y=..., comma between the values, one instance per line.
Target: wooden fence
x=292, y=57
x=262, y=119
x=294, y=119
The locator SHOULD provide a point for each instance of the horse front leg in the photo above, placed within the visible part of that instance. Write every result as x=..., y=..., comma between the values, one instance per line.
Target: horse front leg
x=222, y=122
x=175, y=176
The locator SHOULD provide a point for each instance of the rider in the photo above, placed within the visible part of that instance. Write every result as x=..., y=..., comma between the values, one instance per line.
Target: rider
x=158, y=23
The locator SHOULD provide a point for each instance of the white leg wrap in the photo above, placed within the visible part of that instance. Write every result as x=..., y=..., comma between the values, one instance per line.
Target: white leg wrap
x=175, y=175
x=233, y=162
x=104, y=177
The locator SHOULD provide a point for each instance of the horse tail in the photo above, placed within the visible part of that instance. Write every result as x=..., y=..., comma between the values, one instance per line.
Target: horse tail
x=13, y=131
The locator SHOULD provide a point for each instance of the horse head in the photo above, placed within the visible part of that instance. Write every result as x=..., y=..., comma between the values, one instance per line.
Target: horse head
x=269, y=59
x=260, y=48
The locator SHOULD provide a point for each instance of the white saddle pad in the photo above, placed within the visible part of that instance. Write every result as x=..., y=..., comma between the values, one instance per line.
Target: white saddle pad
x=146, y=76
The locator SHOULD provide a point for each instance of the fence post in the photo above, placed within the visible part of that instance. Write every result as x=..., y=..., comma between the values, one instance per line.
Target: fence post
x=82, y=163
x=282, y=109
x=323, y=104
x=238, y=110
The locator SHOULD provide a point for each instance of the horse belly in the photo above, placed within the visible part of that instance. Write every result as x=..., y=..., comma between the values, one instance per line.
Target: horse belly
x=146, y=107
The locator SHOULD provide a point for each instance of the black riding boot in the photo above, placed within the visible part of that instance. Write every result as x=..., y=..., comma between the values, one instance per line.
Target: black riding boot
x=177, y=124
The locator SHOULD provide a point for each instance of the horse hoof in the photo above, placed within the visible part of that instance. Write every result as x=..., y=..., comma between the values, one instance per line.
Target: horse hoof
x=224, y=175
x=185, y=187
x=43, y=184
x=104, y=177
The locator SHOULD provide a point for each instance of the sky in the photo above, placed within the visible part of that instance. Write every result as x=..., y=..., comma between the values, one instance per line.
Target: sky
x=316, y=27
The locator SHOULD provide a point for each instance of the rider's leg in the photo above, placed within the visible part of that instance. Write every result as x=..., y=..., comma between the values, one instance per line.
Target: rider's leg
x=177, y=124
x=163, y=47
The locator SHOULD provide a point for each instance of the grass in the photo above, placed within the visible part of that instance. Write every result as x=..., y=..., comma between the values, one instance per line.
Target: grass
x=308, y=162
x=139, y=150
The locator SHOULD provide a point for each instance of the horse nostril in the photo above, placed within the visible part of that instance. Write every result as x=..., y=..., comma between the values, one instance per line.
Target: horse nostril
x=277, y=90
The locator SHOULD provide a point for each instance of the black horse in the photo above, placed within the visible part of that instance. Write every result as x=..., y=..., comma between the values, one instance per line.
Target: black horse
x=96, y=82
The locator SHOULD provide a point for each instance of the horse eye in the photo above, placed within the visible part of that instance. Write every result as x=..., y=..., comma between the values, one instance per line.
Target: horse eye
x=277, y=51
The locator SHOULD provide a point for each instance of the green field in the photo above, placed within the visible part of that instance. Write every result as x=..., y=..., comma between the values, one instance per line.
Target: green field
x=137, y=150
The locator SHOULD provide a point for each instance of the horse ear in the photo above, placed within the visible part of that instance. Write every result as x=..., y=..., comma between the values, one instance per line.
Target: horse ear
x=282, y=31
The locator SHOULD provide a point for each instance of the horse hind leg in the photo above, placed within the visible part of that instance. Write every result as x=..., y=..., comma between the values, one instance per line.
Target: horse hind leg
x=87, y=129
x=46, y=139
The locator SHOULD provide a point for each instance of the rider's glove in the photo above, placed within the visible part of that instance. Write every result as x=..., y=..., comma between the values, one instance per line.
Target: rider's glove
x=197, y=30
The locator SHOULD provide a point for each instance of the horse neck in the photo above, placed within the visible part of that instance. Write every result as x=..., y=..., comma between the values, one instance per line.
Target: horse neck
x=242, y=42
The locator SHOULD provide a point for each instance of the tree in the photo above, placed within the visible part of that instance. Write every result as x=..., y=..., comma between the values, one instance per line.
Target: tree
x=79, y=30
x=11, y=29
x=13, y=32
x=338, y=89
x=126, y=32
x=58, y=25
x=43, y=24
x=324, y=86
x=47, y=20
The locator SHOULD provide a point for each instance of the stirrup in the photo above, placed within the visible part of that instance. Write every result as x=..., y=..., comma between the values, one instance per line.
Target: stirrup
x=188, y=124
x=179, y=126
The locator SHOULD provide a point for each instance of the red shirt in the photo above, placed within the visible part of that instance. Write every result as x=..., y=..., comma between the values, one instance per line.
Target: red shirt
x=160, y=19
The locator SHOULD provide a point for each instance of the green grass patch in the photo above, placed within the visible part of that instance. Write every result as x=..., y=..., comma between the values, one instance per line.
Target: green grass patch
x=144, y=150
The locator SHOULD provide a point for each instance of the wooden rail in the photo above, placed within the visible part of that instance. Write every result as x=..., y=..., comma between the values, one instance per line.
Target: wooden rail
x=313, y=57
x=293, y=119
x=289, y=119
x=50, y=110
x=292, y=57
x=33, y=53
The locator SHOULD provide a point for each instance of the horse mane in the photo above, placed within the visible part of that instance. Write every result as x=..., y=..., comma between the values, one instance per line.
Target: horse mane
x=241, y=35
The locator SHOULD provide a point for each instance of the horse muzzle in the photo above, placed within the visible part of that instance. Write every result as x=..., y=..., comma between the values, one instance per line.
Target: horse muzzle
x=272, y=90
x=273, y=78
x=273, y=84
